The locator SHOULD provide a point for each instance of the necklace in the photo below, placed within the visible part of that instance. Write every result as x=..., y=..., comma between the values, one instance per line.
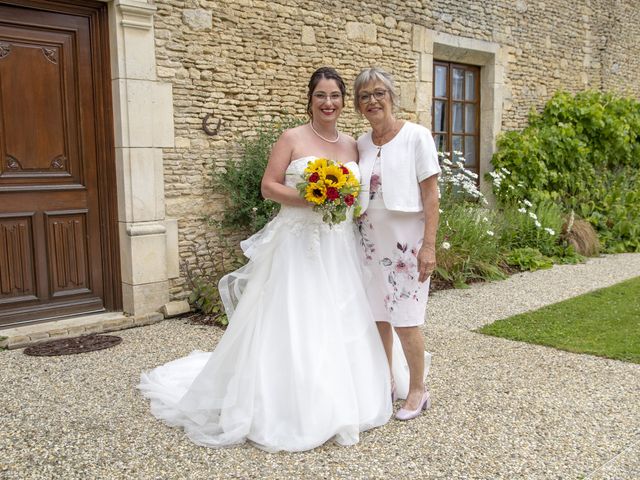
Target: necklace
x=323, y=138
x=389, y=134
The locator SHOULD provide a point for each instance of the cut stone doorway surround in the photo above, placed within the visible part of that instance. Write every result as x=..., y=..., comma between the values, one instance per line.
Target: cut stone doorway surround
x=492, y=59
x=143, y=126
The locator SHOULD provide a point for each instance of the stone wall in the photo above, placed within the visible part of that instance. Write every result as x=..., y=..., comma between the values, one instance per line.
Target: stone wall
x=246, y=61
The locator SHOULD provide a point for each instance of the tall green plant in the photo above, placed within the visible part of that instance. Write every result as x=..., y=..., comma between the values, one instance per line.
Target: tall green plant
x=582, y=152
x=467, y=247
x=239, y=181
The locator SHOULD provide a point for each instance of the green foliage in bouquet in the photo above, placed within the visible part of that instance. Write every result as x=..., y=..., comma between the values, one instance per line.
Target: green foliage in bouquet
x=583, y=153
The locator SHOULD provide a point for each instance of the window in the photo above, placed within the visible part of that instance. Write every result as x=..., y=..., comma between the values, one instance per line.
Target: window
x=456, y=110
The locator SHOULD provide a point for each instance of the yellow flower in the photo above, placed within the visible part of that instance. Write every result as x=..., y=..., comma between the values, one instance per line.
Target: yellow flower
x=354, y=184
x=334, y=177
x=352, y=181
x=315, y=193
x=318, y=165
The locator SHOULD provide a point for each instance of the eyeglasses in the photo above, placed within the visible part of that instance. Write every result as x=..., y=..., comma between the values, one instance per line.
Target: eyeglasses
x=377, y=94
x=322, y=97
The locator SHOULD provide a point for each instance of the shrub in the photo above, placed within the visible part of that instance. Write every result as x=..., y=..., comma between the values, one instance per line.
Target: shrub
x=528, y=258
x=467, y=248
x=583, y=153
x=239, y=182
x=524, y=225
x=456, y=183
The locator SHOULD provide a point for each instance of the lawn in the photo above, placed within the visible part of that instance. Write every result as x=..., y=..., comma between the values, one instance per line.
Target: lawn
x=604, y=322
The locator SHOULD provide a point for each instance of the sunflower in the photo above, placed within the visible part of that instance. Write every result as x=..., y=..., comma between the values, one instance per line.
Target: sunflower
x=334, y=176
x=315, y=193
x=318, y=165
x=353, y=182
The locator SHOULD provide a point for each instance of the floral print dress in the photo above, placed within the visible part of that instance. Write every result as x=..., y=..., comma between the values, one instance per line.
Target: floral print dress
x=390, y=241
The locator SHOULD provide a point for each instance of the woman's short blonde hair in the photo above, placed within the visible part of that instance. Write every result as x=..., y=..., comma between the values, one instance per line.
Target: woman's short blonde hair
x=373, y=75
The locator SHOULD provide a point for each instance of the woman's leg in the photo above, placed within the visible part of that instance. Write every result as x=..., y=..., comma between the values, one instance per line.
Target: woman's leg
x=386, y=334
x=412, y=342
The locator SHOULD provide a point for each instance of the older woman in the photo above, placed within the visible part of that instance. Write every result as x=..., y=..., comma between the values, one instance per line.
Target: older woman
x=399, y=164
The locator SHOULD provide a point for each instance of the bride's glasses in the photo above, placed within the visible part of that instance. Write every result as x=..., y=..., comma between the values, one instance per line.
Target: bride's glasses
x=322, y=97
x=377, y=94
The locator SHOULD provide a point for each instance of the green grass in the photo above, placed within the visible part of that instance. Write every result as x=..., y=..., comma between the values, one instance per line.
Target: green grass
x=604, y=322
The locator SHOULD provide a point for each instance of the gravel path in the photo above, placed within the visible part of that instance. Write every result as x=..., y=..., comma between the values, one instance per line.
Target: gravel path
x=501, y=409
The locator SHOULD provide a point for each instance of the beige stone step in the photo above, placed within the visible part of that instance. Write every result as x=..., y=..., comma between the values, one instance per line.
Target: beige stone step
x=23, y=336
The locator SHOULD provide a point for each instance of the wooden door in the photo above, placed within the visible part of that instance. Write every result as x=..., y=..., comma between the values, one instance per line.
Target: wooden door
x=55, y=237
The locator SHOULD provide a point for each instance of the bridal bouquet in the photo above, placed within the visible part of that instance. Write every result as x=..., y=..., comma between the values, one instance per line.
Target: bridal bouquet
x=331, y=188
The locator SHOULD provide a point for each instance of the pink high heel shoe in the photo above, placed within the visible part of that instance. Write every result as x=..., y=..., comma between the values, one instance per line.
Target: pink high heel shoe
x=425, y=403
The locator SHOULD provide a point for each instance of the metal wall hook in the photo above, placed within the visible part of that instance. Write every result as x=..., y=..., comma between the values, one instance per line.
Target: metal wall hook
x=207, y=128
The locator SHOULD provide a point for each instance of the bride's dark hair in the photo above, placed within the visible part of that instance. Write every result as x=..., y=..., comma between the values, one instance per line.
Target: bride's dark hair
x=327, y=73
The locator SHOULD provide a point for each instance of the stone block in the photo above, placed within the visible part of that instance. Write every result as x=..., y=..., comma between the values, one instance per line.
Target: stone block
x=424, y=96
x=17, y=341
x=162, y=108
x=147, y=319
x=143, y=113
x=140, y=177
x=197, y=19
x=144, y=299
x=143, y=255
x=172, y=309
x=37, y=336
x=117, y=324
x=408, y=96
x=79, y=330
x=137, y=60
x=362, y=32
x=308, y=35
x=425, y=73
x=94, y=328
x=58, y=332
x=418, y=38
x=182, y=142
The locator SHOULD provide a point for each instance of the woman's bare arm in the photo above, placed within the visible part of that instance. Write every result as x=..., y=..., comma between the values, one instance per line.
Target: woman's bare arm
x=430, y=208
x=273, y=186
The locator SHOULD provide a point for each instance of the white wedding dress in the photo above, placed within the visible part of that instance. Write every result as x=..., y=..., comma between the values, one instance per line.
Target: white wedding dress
x=301, y=361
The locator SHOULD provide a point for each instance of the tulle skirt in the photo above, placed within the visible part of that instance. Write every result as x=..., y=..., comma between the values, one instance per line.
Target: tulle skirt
x=301, y=361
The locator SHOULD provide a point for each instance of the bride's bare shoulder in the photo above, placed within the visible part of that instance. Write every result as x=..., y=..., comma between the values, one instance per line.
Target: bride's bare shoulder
x=350, y=145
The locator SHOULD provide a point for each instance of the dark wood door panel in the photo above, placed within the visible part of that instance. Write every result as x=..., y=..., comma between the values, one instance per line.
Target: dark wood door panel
x=18, y=276
x=52, y=228
x=14, y=201
x=68, y=253
x=39, y=116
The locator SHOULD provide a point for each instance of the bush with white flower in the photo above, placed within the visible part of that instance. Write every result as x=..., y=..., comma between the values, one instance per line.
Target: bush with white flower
x=457, y=183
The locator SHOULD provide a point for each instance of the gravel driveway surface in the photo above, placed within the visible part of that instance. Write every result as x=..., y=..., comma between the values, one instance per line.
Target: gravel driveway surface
x=501, y=409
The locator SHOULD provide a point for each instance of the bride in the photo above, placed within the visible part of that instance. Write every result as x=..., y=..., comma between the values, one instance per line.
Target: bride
x=301, y=361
